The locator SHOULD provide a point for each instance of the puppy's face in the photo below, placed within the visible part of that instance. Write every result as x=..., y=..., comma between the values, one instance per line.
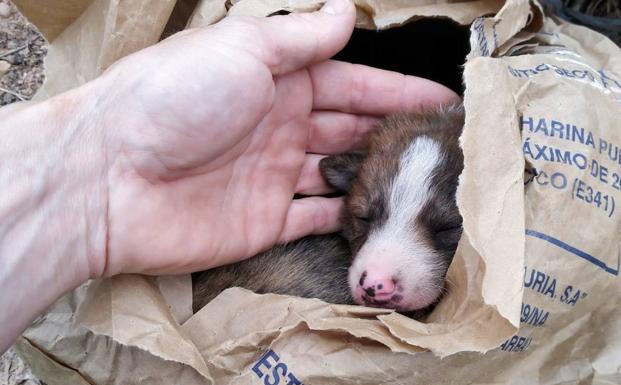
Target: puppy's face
x=401, y=218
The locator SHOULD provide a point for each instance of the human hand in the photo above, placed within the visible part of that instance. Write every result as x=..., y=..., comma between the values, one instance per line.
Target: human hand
x=213, y=131
x=185, y=156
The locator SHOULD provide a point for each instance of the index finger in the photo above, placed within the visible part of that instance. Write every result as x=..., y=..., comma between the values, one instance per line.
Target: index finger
x=366, y=90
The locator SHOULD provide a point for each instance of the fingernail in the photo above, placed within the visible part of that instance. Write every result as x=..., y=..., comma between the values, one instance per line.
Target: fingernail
x=335, y=7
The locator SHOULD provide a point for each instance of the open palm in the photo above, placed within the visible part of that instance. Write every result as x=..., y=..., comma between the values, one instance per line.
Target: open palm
x=219, y=127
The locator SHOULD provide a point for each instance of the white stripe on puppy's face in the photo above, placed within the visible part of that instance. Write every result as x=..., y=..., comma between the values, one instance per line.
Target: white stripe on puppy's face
x=398, y=250
x=410, y=188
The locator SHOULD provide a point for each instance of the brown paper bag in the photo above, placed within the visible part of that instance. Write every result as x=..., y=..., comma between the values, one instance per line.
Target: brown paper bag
x=103, y=32
x=540, y=249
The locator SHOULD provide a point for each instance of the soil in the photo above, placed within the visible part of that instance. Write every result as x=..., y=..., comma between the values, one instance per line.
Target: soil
x=14, y=371
x=22, y=50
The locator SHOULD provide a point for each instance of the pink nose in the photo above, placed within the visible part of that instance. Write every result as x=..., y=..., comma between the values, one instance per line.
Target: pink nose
x=377, y=287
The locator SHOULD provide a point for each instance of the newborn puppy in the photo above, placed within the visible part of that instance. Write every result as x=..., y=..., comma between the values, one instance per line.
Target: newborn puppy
x=401, y=217
x=312, y=267
x=400, y=221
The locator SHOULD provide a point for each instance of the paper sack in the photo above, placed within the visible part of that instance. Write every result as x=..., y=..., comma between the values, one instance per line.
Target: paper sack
x=534, y=295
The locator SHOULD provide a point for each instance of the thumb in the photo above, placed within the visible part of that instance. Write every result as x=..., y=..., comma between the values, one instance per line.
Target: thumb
x=286, y=43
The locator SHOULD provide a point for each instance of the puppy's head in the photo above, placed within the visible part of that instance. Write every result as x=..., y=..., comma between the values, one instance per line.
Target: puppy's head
x=401, y=217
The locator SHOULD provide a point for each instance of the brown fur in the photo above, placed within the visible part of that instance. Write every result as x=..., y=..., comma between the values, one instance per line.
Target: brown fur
x=313, y=267
x=317, y=266
x=371, y=179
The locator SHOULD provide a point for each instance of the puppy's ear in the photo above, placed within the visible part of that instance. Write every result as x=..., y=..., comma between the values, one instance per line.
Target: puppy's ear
x=341, y=170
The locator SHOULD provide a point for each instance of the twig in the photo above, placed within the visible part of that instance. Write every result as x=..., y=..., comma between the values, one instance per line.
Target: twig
x=19, y=96
x=12, y=51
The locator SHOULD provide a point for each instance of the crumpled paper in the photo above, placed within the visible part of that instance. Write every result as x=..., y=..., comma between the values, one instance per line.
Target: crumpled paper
x=533, y=295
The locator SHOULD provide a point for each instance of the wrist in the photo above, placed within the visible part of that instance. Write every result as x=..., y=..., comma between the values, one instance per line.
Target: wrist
x=77, y=175
x=53, y=199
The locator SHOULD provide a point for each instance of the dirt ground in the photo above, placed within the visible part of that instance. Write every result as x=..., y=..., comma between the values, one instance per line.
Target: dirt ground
x=22, y=50
x=14, y=371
